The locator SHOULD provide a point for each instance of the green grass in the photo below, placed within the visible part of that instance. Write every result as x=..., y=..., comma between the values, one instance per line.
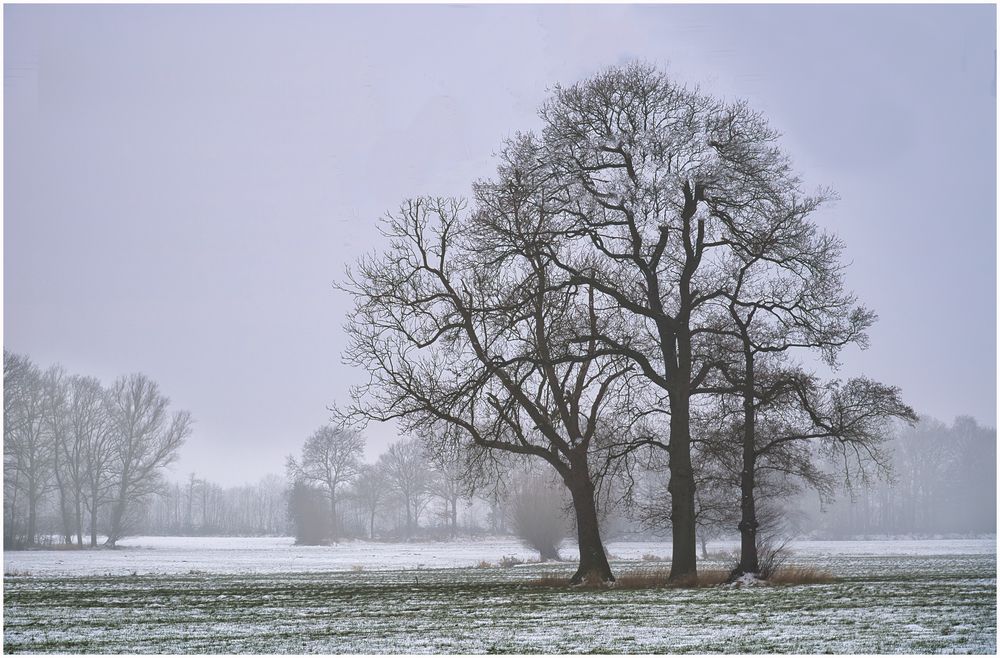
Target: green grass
x=879, y=605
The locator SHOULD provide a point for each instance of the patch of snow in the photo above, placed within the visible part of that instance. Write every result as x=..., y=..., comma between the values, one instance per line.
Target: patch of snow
x=747, y=580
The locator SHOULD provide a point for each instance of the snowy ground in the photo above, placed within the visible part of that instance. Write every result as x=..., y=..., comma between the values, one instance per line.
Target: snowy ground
x=234, y=555
x=267, y=596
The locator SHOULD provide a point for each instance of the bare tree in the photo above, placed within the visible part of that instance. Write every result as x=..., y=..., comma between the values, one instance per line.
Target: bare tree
x=648, y=172
x=55, y=392
x=330, y=460
x=93, y=444
x=28, y=449
x=408, y=474
x=83, y=449
x=786, y=293
x=145, y=439
x=470, y=336
x=452, y=479
x=370, y=490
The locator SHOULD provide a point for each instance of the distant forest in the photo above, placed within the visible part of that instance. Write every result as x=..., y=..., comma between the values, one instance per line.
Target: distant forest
x=77, y=467
x=942, y=482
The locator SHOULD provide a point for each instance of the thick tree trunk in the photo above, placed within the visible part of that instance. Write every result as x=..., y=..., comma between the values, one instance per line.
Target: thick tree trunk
x=117, y=515
x=684, y=564
x=593, y=560
x=371, y=526
x=749, y=562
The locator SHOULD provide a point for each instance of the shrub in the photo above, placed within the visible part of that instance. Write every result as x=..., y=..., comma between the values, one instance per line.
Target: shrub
x=770, y=556
x=538, y=516
x=510, y=561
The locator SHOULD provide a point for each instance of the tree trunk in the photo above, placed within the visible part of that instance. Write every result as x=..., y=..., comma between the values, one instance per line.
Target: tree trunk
x=409, y=519
x=684, y=564
x=371, y=526
x=748, y=519
x=67, y=519
x=79, y=518
x=93, y=517
x=749, y=562
x=117, y=515
x=31, y=521
x=333, y=518
x=64, y=513
x=454, y=516
x=593, y=560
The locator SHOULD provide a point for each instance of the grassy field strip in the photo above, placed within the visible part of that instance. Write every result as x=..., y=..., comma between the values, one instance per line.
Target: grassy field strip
x=912, y=604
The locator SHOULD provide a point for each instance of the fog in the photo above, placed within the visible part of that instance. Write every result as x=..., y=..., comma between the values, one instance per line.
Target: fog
x=184, y=184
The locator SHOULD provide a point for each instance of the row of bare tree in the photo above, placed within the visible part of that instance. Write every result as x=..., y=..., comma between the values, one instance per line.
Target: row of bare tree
x=943, y=483
x=644, y=278
x=198, y=506
x=404, y=479
x=91, y=453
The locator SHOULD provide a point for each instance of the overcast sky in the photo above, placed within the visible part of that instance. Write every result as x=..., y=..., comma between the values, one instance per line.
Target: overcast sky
x=182, y=184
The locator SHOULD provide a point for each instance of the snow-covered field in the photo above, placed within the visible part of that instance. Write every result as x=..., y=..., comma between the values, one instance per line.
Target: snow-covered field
x=233, y=555
x=220, y=595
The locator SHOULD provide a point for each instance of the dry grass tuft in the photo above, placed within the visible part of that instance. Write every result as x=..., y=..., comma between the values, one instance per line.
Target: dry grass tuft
x=357, y=567
x=643, y=579
x=549, y=581
x=483, y=564
x=800, y=576
x=649, y=557
x=510, y=561
x=705, y=578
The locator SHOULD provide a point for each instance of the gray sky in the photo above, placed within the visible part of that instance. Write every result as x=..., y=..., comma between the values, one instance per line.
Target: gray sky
x=182, y=184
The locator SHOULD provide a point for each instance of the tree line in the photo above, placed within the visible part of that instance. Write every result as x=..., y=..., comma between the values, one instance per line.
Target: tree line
x=331, y=488
x=81, y=456
x=199, y=507
x=643, y=280
x=943, y=482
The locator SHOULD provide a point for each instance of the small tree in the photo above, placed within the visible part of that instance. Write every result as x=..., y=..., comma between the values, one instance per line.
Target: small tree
x=370, y=490
x=538, y=515
x=409, y=475
x=450, y=480
x=309, y=514
x=330, y=460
